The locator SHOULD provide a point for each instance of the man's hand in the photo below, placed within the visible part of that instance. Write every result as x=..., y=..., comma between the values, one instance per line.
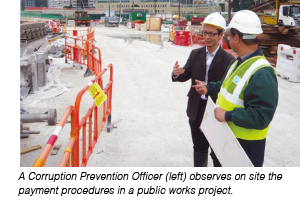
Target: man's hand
x=220, y=114
x=200, y=87
x=177, y=70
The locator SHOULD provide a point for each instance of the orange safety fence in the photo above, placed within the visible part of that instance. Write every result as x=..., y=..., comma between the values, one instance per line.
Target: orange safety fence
x=79, y=33
x=90, y=126
x=70, y=111
x=76, y=50
x=81, y=49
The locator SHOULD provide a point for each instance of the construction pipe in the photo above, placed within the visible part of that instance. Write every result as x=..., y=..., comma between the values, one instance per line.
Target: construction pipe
x=24, y=135
x=50, y=117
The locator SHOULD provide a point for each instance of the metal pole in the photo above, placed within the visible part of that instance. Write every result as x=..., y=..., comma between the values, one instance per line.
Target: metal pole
x=229, y=10
x=109, y=8
x=179, y=9
x=193, y=8
x=120, y=12
x=169, y=6
x=133, y=6
x=186, y=8
x=50, y=116
x=155, y=7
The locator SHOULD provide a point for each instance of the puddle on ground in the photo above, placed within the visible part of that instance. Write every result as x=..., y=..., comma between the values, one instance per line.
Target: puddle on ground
x=152, y=38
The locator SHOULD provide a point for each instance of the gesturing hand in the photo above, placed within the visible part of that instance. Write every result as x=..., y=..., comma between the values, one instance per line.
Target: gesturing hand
x=200, y=87
x=177, y=70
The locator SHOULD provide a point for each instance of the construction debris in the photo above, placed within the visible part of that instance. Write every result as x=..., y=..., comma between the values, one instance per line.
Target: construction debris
x=33, y=31
x=55, y=149
x=272, y=37
x=29, y=149
x=50, y=116
x=22, y=110
x=23, y=135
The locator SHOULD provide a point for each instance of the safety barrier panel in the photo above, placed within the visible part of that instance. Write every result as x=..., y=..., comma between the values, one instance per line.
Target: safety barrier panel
x=288, y=62
x=41, y=160
x=76, y=51
x=182, y=38
x=80, y=33
x=79, y=47
x=90, y=126
x=54, y=26
x=165, y=27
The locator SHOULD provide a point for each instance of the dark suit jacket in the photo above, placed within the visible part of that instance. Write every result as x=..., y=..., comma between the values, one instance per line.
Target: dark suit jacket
x=195, y=68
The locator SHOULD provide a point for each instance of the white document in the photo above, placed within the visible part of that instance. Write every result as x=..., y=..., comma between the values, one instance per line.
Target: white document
x=220, y=137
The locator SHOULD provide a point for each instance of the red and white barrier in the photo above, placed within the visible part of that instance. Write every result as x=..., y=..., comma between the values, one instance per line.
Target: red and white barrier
x=288, y=62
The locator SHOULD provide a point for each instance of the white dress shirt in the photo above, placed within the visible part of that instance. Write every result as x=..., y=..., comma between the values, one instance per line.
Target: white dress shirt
x=209, y=58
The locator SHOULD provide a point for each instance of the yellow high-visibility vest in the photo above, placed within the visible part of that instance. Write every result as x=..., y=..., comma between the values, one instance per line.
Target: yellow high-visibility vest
x=231, y=94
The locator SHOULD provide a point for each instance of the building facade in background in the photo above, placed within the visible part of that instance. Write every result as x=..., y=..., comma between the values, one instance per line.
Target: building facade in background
x=86, y=3
x=58, y=3
x=114, y=7
x=29, y=3
x=41, y=3
x=34, y=3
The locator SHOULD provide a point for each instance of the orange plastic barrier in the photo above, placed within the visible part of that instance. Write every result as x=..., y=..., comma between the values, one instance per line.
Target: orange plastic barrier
x=78, y=32
x=70, y=111
x=82, y=49
x=197, y=39
x=226, y=48
x=182, y=38
x=90, y=126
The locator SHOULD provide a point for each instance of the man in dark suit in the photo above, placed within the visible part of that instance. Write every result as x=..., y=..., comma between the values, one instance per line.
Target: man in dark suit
x=204, y=64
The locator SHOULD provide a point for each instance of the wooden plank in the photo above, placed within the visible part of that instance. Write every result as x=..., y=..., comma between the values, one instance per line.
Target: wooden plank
x=220, y=137
x=280, y=30
x=54, y=39
x=275, y=40
x=29, y=149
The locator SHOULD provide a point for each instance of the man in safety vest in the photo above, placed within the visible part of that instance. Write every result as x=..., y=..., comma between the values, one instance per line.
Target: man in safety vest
x=206, y=64
x=248, y=93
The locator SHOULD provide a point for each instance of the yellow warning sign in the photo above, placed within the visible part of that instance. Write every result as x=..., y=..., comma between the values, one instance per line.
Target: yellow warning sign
x=97, y=94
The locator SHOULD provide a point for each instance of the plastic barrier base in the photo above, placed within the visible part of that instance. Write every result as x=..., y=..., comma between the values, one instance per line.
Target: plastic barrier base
x=288, y=63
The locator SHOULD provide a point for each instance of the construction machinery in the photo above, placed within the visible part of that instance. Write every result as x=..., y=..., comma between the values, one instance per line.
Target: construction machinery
x=82, y=17
x=280, y=26
x=286, y=12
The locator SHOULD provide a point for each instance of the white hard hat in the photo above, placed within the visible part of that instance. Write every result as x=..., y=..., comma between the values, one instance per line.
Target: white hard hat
x=216, y=20
x=247, y=22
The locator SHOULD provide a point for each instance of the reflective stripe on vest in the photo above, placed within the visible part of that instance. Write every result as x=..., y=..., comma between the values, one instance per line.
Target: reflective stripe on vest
x=231, y=94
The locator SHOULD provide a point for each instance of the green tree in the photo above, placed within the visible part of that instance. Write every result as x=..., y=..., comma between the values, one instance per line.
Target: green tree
x=235, y=5
x=245, y=4
x=238, y=5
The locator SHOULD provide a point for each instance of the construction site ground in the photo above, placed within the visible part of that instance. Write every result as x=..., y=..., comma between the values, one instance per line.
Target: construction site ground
x=150, y=126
